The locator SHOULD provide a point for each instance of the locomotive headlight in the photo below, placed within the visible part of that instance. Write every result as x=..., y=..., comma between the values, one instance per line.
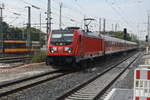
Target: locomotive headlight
x=68, y=49
x=53, y=49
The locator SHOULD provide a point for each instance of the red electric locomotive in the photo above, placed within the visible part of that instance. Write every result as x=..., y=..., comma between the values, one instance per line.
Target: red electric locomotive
x=73, y=45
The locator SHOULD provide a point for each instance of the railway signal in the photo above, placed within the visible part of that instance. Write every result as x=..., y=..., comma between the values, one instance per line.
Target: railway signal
x=125, y=33
x=146, y=38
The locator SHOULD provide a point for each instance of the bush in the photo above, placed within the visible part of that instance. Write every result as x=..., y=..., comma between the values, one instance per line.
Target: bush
x=39, y=57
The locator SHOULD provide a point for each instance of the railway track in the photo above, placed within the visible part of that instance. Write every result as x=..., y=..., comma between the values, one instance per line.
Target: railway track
x=14, y=59
x=25, y=83
x=98, y=85
x=22, y=84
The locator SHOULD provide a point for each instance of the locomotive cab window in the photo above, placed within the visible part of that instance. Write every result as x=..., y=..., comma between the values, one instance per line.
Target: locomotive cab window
x=61, y=37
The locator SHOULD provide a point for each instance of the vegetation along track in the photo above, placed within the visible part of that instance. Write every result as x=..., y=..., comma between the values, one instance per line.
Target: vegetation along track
x=18, y=85
x=96, y=86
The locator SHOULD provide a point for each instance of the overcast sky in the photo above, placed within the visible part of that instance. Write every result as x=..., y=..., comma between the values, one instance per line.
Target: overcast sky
x=131, y=14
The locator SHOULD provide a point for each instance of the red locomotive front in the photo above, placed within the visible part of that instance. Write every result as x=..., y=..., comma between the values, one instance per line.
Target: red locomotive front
x=63, y=46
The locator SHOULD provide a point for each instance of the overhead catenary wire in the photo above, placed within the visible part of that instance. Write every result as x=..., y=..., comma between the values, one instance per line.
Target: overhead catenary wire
x=122, y=18
x=12, y=12
x=122, y=12
x=20, y=10
x=16, y=16
x=71, y=9
x=63, y=15
x=69, y=16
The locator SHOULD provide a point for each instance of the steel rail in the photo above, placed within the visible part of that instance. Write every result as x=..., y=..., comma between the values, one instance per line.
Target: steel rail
x=21, y=84
x=79, y=87
x=14, y=59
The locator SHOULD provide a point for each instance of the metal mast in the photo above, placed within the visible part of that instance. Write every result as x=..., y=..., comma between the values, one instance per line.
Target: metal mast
x=60, y=16
x=40, y=22
x=116, y=26
x=148, y=27
x=99, y=25
x=29, y=17
x=49, y=17
x=29, y=28
x=104, y=25
x=1, y=26
x=1, y=17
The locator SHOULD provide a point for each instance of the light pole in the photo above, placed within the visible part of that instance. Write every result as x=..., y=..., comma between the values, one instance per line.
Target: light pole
x=38, y=8
x=29, y=42
x=29, y=22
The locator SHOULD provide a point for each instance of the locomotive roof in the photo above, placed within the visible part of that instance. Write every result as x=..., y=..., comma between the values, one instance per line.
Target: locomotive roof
x=108, y=38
